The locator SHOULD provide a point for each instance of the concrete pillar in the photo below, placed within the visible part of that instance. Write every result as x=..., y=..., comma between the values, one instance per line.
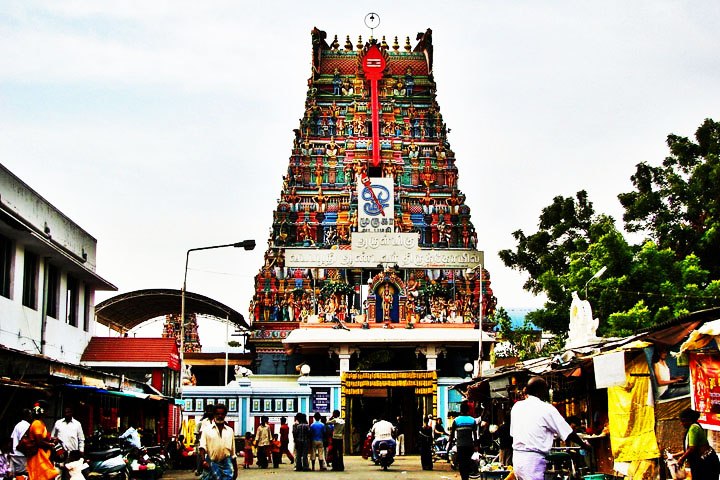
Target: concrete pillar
x=431, y=353
x=344, y=362
x=431, y=361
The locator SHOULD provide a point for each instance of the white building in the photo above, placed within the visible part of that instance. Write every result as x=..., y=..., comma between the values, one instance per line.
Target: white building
x=47, y=276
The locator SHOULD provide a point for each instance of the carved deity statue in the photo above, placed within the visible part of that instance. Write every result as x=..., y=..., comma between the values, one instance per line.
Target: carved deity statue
x=387, y=303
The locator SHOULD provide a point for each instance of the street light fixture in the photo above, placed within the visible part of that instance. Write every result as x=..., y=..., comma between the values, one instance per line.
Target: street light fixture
x=247, y=245
x=480, y=317
x=598, y=274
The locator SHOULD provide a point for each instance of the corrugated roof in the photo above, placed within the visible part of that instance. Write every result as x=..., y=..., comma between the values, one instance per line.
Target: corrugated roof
x=121, y=350
x=128, y=310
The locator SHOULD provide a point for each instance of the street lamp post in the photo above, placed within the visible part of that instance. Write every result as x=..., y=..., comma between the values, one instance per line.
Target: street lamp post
x=598, y=274
x=480, y=317
x=247, y=245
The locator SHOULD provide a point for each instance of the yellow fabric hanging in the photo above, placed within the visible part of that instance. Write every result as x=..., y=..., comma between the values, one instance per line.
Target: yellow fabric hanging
x=631, y=414
x=188, y=430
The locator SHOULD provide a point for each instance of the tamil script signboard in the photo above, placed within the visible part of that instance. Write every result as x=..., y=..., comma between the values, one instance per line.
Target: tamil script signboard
x=370, y=249
x=321, y=400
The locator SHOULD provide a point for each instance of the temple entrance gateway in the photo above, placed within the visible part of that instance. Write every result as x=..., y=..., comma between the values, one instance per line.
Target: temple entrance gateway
x=365, y=396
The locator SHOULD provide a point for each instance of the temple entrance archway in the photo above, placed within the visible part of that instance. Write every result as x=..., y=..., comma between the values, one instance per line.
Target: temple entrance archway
x=366, y=396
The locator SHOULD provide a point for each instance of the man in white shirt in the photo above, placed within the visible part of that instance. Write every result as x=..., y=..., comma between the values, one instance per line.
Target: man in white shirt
x=205, y=422
x=217, y=447
x=534, y=425
x=69, y=432
x=132, y=435
x=18, y=458
x=383, y=431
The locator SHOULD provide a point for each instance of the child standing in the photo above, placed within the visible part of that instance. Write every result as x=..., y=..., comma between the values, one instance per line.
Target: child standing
x=248, y=450
x=275, y=450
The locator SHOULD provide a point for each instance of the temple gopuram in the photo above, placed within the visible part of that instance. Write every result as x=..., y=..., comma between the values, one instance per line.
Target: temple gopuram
x=372, y=286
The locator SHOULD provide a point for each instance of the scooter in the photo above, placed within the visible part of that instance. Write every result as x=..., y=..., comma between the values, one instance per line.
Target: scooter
x=439, y=448
x=384, y=453
x=476, y=461
x=106, y=464
x=146, y=463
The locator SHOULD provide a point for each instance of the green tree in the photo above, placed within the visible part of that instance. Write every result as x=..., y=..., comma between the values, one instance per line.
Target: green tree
x=677, y=204
x=564, y=229
x=675, y=271
x=522, y=342
x=644, y=285
x=571, y=244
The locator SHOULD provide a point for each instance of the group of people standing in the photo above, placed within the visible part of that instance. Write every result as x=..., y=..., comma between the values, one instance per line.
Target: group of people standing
x=29, y=452
x=322, y=441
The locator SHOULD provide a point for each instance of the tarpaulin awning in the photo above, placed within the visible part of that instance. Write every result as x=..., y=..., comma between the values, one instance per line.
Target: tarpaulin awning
x=701, y=337
x=120, y=393
x=9, y=382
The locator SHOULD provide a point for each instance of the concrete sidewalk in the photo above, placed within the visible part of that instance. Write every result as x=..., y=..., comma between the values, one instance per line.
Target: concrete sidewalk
x=404, y=468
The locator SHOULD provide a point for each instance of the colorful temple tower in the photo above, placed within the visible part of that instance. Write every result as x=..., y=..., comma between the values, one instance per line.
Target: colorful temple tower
x=372, y=266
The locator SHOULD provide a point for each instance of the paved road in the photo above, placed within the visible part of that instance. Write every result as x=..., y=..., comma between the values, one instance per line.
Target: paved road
x=404, y=468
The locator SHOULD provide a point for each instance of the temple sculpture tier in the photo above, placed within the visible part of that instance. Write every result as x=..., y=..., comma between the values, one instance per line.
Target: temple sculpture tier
x=371, y=229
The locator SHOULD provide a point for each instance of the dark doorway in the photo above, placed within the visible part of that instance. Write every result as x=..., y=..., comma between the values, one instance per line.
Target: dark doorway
x=390, y=404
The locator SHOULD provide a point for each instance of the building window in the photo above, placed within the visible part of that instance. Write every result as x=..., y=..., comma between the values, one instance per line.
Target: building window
x=454, y=400
x=53, y=291
x=72, y=301
x=6, y=264
x=86, y=308
x=30, y=280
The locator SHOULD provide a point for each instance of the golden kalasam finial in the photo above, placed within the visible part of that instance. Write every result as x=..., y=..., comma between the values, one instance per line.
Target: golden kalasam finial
x=360, y=42
x=383, y=43
x=348, y=44
x=408, y=47
x=396, y=45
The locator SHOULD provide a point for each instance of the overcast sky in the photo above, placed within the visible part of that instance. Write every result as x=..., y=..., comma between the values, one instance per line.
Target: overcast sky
x=164, y=126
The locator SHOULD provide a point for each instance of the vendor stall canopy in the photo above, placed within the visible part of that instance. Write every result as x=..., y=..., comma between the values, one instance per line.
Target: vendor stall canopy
x=699, y=328
x=127, y=311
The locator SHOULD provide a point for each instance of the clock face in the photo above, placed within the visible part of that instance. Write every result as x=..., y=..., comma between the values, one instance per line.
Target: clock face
x=376, y=205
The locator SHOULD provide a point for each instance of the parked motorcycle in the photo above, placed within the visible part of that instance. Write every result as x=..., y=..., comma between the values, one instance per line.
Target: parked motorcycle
x=384, y=453
x=452, y=457
x=477, y=461
x=439, y=448
x=147, y=463
x=105, y=464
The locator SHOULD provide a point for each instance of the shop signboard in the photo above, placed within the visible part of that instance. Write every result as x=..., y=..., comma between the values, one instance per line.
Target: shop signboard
x=705, y=382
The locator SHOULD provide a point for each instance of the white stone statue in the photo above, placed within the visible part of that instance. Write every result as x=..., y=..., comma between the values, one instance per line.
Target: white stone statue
x=241, y=372
x=582, y=324
x=187, y=375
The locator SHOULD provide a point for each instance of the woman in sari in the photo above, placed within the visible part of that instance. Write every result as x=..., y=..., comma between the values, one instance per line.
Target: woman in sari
x=39, y=466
